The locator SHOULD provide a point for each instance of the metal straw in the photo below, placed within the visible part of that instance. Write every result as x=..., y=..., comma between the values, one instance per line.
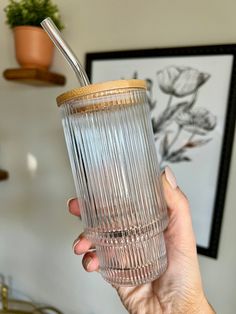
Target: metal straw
x=58, y=40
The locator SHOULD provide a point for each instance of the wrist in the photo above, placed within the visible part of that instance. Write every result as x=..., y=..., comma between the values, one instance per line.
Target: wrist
x=205, y=307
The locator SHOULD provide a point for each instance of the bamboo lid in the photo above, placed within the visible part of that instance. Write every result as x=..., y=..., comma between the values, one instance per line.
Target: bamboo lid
x=100, y=90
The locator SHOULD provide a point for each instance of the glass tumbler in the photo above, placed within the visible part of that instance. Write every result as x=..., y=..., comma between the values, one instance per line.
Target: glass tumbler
x=112, y=153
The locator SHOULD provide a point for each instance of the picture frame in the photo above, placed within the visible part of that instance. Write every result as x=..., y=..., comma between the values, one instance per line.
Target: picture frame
x=191, y=92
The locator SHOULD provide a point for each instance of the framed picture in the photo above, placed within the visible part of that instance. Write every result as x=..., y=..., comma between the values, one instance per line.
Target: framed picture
x=192, y=99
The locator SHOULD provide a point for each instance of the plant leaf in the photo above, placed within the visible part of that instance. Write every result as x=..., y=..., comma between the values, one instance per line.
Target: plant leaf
x=175, y=154
x=197, y=143
x=164, y=146
x=178, y=158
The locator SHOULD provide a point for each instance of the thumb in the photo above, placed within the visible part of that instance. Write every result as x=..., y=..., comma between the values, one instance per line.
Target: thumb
x=180, y=222
x=175, y=198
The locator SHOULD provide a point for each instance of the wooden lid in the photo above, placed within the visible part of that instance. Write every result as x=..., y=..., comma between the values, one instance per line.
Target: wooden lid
x=100, y=90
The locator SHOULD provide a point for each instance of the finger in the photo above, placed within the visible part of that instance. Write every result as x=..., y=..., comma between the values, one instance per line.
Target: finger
x=180, y=223
x=73, y=206
x=81, y=245
x=90, y=262
x=175, y=198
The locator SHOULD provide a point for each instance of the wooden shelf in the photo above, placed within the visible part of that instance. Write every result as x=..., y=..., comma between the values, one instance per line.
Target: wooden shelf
x=34, y=76
x=3, y=175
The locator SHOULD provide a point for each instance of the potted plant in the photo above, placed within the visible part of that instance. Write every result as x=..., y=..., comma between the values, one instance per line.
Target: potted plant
x=33, y=47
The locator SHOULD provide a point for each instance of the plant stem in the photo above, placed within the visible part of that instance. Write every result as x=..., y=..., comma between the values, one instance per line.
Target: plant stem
x=171, y=143
x=169, y=102
x=175, y=137
x=193, y=101
x=191, y=137
x=174, y=140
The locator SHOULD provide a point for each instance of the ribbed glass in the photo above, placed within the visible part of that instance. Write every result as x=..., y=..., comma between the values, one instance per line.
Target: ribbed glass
x=117, y=179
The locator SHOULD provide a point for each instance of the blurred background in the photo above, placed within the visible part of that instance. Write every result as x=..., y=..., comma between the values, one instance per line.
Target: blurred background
x=36, y=231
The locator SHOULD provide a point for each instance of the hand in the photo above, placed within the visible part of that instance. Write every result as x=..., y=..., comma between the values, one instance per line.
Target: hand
x=179, y=289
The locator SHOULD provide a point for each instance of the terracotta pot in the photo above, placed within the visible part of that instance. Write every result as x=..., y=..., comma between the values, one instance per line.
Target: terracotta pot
x=33, y=47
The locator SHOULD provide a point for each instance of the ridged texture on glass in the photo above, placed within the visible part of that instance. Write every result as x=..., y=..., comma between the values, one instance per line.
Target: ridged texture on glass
x=115, y=169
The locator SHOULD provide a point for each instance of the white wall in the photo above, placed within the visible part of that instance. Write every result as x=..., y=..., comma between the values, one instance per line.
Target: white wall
x=36, y=231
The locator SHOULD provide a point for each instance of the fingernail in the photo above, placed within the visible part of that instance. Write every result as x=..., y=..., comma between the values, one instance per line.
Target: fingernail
x=87, y=261
x=170, y=177
x=75, y=243
x=68, y=202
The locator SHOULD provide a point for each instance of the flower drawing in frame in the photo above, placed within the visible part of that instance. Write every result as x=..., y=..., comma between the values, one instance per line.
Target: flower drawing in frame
x=181, y=114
